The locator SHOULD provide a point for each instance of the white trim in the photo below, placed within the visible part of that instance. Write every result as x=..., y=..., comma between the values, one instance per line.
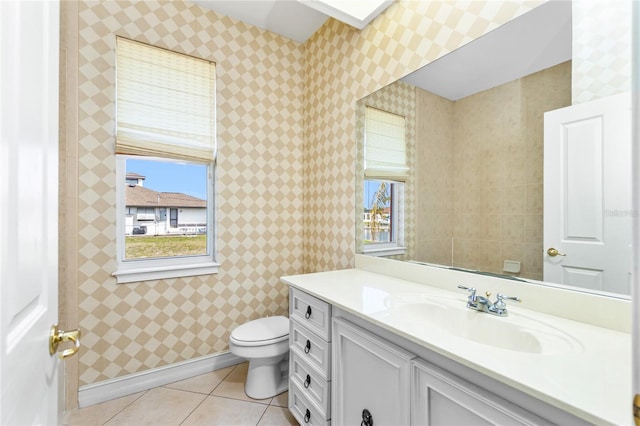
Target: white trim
x=635, y=196
x=386, y=250
x=136, y=270
x=176, y=271
x=358, y=14
x=137, y=382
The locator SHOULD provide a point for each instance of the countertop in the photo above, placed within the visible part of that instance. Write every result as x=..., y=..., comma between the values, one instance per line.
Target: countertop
x=583, y=369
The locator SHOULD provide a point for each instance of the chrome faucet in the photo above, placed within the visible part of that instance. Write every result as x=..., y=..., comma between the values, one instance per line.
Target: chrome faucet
x=483, y=304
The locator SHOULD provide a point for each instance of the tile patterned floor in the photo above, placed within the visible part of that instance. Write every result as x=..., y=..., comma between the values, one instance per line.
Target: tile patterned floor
x=212, y=399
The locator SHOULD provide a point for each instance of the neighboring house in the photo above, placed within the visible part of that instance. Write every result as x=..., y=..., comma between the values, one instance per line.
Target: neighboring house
x=159, y=213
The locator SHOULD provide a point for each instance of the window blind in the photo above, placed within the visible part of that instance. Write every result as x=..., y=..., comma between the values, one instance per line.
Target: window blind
x=165, y=103
x=385, y=155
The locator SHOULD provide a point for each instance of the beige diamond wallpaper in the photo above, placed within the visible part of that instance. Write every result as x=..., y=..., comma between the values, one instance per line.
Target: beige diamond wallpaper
x=285, y=172
x=132, y=327
x=343, y=65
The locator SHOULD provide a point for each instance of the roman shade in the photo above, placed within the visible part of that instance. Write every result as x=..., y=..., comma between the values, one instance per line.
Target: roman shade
x=165, y=103
x=385, y=155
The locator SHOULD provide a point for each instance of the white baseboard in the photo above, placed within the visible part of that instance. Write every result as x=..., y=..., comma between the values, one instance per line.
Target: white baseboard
x=137, y=382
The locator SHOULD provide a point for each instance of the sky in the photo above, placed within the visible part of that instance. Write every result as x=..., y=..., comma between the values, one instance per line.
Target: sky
x=165, y=176
x=370, y=188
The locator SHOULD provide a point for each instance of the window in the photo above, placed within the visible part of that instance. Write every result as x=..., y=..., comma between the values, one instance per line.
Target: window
x=385, y=173
x=165, y=148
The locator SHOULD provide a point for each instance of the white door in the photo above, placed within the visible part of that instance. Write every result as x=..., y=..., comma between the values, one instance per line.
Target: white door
x=29, y=37
x=587, y=188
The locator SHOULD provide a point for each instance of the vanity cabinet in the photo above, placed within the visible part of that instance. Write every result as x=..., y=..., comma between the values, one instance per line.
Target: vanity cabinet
x=343, y=364
x=309, y=358
x=439, y=398
x=371, y=377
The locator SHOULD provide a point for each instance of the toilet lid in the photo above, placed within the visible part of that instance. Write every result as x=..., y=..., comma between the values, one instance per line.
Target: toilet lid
x=262, y=329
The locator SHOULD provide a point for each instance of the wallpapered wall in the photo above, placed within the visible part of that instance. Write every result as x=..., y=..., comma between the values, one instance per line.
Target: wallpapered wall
x=343, y=65
x=286, y=116
x=132, y=327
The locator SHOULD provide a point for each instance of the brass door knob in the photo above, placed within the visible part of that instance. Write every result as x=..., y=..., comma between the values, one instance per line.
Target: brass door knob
x=554, y=252
x=56, y=336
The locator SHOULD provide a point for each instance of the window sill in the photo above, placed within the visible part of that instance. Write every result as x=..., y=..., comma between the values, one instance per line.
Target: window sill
x=131, y=275
x=384, y=251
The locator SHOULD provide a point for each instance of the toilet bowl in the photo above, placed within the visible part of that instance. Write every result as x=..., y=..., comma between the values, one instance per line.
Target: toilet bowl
x=265, y=344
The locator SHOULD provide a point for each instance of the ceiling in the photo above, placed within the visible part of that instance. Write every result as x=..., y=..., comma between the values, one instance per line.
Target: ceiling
x=534, y=41
x=297, y=19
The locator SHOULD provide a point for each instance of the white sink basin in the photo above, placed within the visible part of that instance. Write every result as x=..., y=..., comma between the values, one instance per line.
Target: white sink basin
x=515, y=332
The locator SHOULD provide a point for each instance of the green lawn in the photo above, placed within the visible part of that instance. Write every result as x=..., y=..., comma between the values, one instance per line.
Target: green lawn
x=142, y=246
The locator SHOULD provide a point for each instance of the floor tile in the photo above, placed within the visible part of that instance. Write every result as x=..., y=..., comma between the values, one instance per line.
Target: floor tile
x=204, y=383
x=277, y=416
x=281, y=400
x=233, y=385
x=159, y=406
x=223, y=411
x=99, y=414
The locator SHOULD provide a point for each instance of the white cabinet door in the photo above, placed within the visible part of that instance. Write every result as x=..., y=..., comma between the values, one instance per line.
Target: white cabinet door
x=441, y=399
x=368, y=374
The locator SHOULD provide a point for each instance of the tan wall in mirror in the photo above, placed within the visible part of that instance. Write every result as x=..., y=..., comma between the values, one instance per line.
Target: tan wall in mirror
x=434, y=177
x=343, y=65
x=129, y=328
x=482, y=162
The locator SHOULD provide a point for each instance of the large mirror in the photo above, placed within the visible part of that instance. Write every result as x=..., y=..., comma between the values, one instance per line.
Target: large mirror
x=513, y=154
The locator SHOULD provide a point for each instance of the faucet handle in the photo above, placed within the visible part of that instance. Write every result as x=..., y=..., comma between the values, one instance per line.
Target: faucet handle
x=472, y=292
x=469, y=289
x=500, y=298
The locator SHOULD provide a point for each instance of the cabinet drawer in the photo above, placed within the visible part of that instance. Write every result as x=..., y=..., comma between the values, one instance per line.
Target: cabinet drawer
x=314, y=313
x=312, y=384
x=311, y=348
x=303, y=410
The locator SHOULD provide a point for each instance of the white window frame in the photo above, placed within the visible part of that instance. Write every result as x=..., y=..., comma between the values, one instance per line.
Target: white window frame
x=136, y=270
x=397, y=245
x=169, y=117
x=393, y=169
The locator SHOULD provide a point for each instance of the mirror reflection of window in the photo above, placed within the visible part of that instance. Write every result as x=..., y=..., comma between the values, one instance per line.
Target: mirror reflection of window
x=385, y=164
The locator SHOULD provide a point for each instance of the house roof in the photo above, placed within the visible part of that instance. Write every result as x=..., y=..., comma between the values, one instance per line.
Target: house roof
x=144, y=197
x=133, y=175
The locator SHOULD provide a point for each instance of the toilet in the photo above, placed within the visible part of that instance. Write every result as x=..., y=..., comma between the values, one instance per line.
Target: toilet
x=265, y=344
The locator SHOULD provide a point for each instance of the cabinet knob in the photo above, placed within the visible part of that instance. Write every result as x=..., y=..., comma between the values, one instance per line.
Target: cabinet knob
x=307, y=382
x=367, y=418
x=307, y=315
x=307, y=416
x=307, y=347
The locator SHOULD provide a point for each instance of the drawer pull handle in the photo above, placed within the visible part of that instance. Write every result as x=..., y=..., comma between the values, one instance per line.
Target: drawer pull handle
x=307, y=347
x=307, y=416
x=367, y=418
x=307, y=315
x=307, y=382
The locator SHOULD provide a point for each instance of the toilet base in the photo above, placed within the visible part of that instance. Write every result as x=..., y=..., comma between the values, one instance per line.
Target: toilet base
x=266, y=380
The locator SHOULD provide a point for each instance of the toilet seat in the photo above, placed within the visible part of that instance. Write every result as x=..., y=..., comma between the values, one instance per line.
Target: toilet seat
x=260, y=332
